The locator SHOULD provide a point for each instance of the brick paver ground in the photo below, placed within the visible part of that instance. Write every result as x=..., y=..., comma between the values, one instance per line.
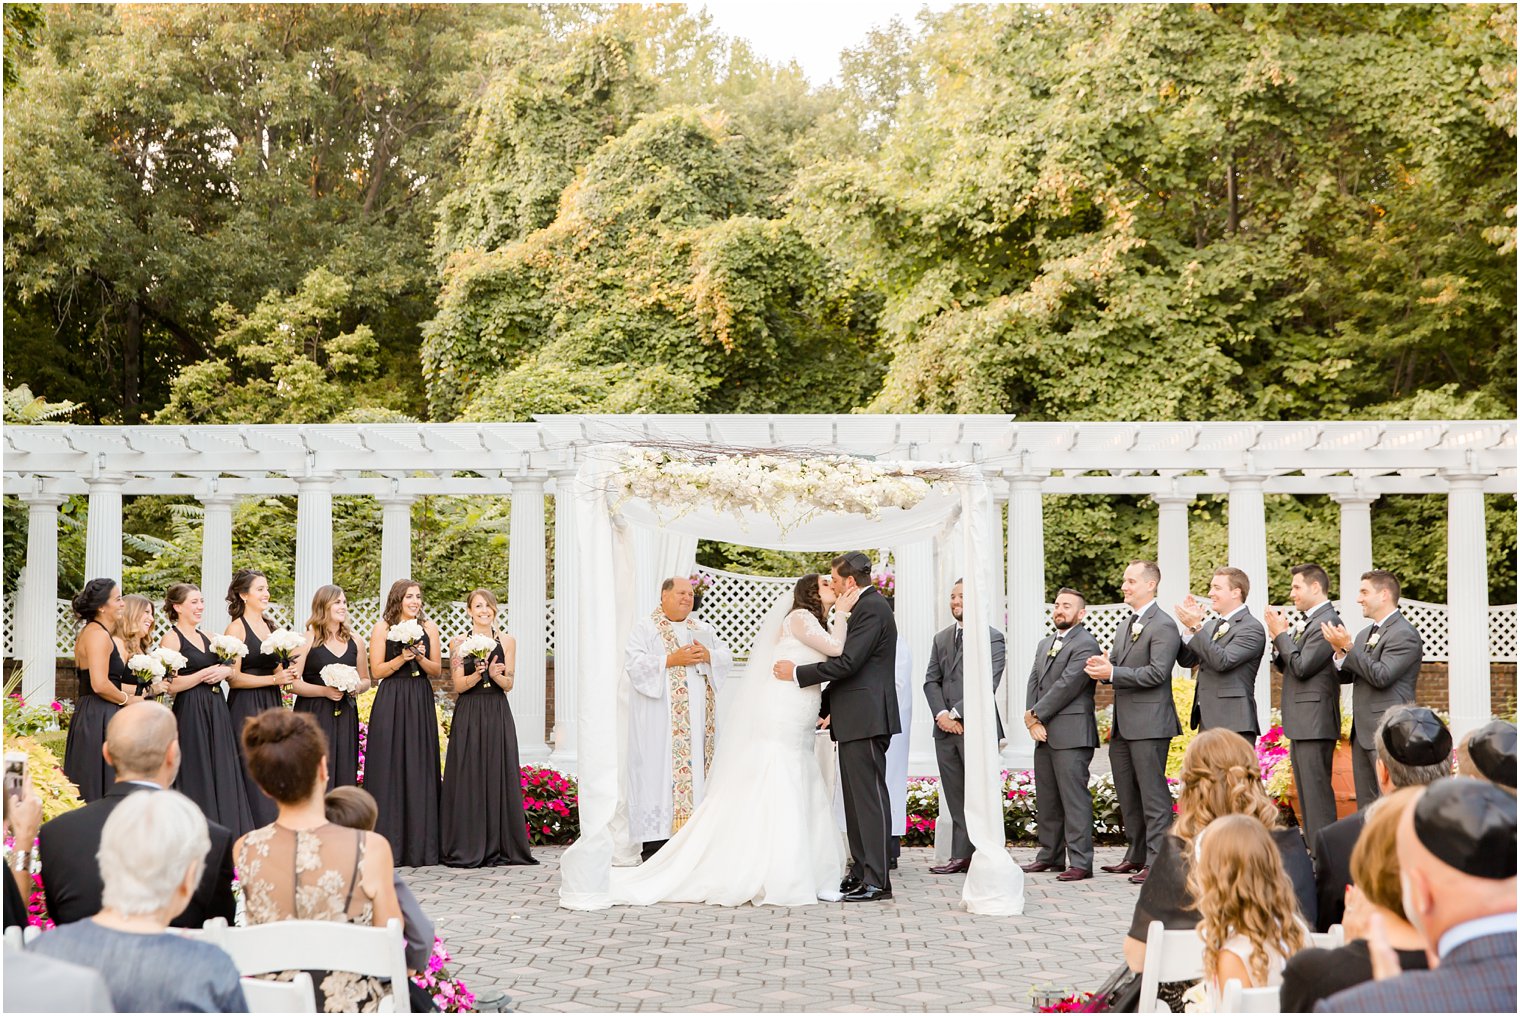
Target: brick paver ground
x=918, y=952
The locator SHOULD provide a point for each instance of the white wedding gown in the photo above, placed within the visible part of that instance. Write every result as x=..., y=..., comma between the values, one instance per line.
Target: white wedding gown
x=765, y=831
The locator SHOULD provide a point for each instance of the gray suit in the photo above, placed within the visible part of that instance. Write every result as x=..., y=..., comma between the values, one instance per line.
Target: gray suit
x=1227, y=666
x=1061, y=696
x=945, y=690
x=1311, y=715
x=1145, y=721
x=1381, y=677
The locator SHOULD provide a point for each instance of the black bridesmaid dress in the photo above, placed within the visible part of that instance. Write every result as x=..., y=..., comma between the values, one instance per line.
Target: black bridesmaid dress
x=401, y=762
x=83, y=762
x=210, y=770
x=339, y=720
x=483, y=821
x=243, y=703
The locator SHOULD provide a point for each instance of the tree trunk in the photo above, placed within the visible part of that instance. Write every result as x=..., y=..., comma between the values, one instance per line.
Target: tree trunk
x=1234, y=197
x=131, y=365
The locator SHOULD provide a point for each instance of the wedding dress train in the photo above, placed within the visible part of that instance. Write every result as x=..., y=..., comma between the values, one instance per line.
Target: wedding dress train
x=765, y=832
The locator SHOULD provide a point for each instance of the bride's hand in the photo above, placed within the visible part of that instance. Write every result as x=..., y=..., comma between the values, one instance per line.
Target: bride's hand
x=784, y=670
x=846, y=601
x=823, y=724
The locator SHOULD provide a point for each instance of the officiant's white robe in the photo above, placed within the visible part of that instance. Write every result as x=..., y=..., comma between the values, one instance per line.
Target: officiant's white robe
x=650, y=805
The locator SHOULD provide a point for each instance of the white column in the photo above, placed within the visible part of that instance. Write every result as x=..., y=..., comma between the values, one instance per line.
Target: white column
x=395, y=540
x=313, y=543
x=1356, y=554
x=1248, y=552
x=1172, y=548
x=216, y=558
x=916, y=611
x=39, y=623
x=1467, y=603
x=102, y=551
x=566, y=627
x=525, y=614
x=1026, y=608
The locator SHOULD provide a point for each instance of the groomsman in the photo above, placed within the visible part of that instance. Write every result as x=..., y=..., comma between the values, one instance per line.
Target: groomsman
x=1227, y=652
x=1382, y=666
x=944, y=689
x=1065, y=731
x=1145, y=719
x=1311, y=701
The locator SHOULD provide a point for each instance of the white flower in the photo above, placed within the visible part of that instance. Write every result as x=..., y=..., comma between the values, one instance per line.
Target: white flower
x=340, y=676
x=169, y=658
x=1373, y=640
x=227, y=648
x=405, y=632
x=283, y=644
x=1135, y=630
x=1055, y=647
x=147, y=668
x=1224, y=626
x=478, y=646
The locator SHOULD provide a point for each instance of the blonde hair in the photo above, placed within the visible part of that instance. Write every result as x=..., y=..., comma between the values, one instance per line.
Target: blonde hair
x=1375, y=859
x=1220, y=776
x=1241, y=888
x=129, y=623
x=321, y=614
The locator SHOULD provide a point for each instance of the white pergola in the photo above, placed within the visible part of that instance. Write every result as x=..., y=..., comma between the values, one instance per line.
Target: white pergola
x=1355, y=463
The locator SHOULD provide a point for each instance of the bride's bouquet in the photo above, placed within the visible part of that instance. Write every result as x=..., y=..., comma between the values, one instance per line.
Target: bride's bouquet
x=408, y=633
x=344, y=678
x=148, y=669
x=228, y=648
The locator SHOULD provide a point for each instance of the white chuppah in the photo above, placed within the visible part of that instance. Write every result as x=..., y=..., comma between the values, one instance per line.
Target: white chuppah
x=611, y=508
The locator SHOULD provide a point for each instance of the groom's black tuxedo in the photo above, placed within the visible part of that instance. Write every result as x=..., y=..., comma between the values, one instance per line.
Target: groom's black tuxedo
x=861, y=701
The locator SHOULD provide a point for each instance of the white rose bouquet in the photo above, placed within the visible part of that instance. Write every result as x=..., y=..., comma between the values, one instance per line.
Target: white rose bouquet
x=147, y=669
x=173, y=662
x=408, y=633
x=228, y=649
x=344, y=678
x=283, y=643
x=478, y=646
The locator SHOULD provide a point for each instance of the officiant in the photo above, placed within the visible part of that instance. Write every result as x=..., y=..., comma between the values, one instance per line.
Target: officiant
x=675, y=664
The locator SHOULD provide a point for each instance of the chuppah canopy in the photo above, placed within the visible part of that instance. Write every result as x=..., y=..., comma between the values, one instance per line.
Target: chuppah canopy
x=786, y=502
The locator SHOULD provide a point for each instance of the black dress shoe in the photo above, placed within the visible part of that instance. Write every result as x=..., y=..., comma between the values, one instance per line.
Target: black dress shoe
x=1074, y=875
x=868, y=894
x=1039, y=866
x=892, y=864
x=1122, y=868
x=850, y=883
x=955, y=866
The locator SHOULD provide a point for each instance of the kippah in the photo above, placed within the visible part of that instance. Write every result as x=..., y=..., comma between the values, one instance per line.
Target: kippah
x=1469, y=825
x=1417, y=737
x=1492, y=750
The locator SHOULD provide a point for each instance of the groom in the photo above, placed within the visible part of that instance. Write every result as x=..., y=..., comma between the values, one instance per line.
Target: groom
x=862, y=716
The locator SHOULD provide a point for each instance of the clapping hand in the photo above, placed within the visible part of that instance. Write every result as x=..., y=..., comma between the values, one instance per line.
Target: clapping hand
x=1337, y=635
x=1100, y=667
x=1357, y=921
x=1190, y=612
x=1276, y=623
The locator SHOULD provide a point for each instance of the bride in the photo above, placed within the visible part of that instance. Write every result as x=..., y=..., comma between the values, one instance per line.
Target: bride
x=765, y=831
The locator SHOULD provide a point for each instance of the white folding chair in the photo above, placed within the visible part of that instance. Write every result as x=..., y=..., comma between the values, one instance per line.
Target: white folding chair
x=322, y=945
x=1239, y=999
x=295, y=995
x=1169, y=956
x=1332, y=939
x=13, y=938
x=29, y=933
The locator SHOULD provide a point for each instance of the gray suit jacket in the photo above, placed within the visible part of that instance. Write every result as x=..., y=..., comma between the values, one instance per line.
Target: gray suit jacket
x=1226, y=695
x=1476, y=976
x=1142, y=678
x=1061, y=693
x=943, y=684
x=1381, y=677
x=1311, y=697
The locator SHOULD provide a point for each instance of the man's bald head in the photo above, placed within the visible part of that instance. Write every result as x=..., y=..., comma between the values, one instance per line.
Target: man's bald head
x=142, y=743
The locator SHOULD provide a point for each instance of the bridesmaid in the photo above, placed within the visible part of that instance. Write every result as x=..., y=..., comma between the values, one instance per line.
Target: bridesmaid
x=330, y=640
x=257, y=678
x=102, y=674
x=209, y=771
x=483, y=820
x=133, y=630
x=401, y=762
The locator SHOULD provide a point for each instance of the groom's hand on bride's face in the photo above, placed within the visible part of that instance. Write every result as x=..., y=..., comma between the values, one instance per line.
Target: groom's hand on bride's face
x=784, y=670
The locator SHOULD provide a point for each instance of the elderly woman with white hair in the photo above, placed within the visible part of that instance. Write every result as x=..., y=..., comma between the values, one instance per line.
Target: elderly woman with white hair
x=151, y=852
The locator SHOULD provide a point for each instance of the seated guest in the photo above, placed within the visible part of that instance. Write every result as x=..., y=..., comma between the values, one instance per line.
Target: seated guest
x=1248, y=919
x=1220, y=776
x=23, y=817
x=1316, y=974
x=1413, y=749
x=303, y=867
x=1456, y=850
x=1488, y=753
x=152, y=849
x=355, y=808
x=142, y=743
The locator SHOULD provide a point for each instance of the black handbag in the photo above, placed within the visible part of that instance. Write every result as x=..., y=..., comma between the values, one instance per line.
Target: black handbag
x=1119, y=993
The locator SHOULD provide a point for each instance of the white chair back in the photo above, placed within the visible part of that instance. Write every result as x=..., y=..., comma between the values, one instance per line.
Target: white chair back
x=1239, y=999
x=13, y=938
x=321, y=945
x=1332, y=939
x=29, y=933
x=295, y=995
x=1169, y=956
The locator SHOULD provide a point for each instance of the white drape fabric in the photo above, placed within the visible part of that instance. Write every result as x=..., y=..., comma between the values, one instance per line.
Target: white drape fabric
x=609, y=602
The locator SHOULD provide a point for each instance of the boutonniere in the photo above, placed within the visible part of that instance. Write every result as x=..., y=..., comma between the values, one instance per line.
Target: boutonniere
x=1374, y=639
x=1055, y=647
x=1135, y=630
x=1219, y=632
x=1299, y=628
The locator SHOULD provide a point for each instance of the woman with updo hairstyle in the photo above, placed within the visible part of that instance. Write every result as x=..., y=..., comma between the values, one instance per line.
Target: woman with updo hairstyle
x=401, y=767
x=484, y=824
x=301, y=867
x=1220, y=776
x=210, y=772
x=104, y=687
x=329, y=640
x=257, y=678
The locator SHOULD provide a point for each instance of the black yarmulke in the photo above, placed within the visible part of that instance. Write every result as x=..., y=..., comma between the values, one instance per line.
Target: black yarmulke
x=1492, y=750
x=1468, y=824
x=1417, y=737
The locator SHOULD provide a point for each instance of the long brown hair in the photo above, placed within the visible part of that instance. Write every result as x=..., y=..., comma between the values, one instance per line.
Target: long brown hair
x=321, y=614
x=395, y=596
x=805, y=596
x=242, y=581
x=129, y=623
x=1241, y=888
x=1220, y=776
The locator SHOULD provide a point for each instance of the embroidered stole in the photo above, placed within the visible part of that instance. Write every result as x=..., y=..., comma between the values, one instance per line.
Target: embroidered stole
x=680, y=725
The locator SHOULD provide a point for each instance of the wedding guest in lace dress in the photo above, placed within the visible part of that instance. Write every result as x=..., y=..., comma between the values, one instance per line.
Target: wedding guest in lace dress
x=302, y=867
x=256, y=678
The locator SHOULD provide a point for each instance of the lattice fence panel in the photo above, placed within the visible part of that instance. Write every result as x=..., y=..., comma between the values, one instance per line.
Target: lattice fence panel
x=736, y=604
x=1502, y=633
x=1429, y=619
x=8, y=634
